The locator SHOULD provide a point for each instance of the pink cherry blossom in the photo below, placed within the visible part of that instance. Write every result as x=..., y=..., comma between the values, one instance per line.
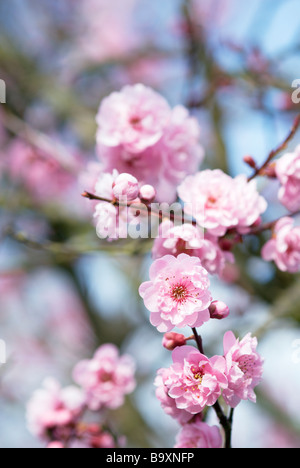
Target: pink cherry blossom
x=46, y=176
x=284, y=247
x=134, y=118
x=177, y=294
x=199, y=435
x=219, y=310
x=161, y=159
x=53, y=407
x=194, y=381
x=244, y=368
x=106, y=378
x=189, y=239
x=126, y=187
x=167, y=403
x=219, y=202
x=288, y=172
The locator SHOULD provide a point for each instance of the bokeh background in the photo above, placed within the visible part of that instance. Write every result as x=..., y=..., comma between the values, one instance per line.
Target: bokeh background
x=63, y=292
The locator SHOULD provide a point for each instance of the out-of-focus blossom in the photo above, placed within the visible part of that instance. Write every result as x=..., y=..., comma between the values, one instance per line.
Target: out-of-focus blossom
x=194, y=381
x=199, y=435
x=106, y=378
x=134, y=118
x=288, y=172
x=96, y=25
x=141, y=135
x=177, y=294
x=219, y=202
x=244, y=368
x=126, y=187
x=53, y=407
x=189, y=239
x=284, y=247
x=43, y=175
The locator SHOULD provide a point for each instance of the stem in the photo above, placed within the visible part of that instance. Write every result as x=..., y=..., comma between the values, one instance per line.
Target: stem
x=278, y=150
x=225, y=422
x=142, y=207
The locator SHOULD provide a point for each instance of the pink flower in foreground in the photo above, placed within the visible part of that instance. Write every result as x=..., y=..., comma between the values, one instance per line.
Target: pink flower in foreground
x=194, y=381
x=177, y=294
x=106, y=378
x=167, y=403
x=126, y=186
x=53, y=407
x=244, y=368
x=189, y=239
x=288, y=172
x=284, y=247
x=199, y=435
x=219, y=202
x=135, y=117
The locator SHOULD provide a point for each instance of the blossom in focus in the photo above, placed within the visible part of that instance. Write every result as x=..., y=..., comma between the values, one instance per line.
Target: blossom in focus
x=53, y=407
x=194, y=381
x=139, y=134
x=284, y=247
x=288, y=173
x=189, y=239
x=171, y=340
x=168, y=404
x=126, y=187
x=177, y=294
x=219, y=202
x=199, y=435
x=244, y=368
x=106, y=378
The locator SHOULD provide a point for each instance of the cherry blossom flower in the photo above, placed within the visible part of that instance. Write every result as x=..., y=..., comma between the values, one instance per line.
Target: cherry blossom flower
x=177, y=294
x=167, y=403
x=288, y=172
x=106, y=378
x=141, y=135
x=219, y=202
x=199, y=435
x=244, y=368
x=284, y=247
x=194, y=381
x=134, y=118
x=53, y=407
x=189, y=239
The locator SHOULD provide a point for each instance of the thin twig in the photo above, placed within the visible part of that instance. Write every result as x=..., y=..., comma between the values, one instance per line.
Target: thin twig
x=279, y=149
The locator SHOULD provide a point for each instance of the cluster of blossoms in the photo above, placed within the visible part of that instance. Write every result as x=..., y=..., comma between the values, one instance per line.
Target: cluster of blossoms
x=178, y=295
x=56, y=414
x=151, y=153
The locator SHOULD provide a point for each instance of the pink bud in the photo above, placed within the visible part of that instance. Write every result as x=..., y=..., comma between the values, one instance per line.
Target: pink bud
x=219, y=310
x=126, y=186
x=55, y=445
x=172, y=340
x=147, y=193
x=250, y=161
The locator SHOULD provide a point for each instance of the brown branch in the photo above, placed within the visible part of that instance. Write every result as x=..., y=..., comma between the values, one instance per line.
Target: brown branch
x=279, y=149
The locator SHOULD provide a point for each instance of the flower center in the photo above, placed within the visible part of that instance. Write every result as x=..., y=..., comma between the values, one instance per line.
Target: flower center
x=179, y=293
x=247, y=364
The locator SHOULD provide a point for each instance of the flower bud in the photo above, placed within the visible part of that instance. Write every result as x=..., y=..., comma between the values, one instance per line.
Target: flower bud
x=147, y=193
x=126, y=186
x=219, y=310
x=173, y=340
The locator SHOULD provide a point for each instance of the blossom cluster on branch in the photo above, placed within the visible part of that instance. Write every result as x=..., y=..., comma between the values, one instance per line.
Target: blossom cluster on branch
x=61, y=417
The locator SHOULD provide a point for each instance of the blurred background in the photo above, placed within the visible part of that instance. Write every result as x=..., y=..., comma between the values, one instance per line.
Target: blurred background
x=63, y=292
